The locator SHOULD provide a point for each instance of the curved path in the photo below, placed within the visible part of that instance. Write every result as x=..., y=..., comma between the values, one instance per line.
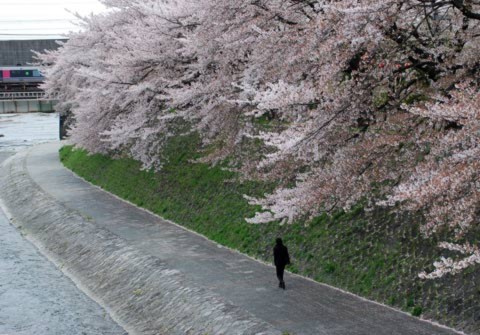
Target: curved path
x=36, y=298
x=242, y=286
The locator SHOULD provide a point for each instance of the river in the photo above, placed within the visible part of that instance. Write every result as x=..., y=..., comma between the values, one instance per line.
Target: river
x=19, y=131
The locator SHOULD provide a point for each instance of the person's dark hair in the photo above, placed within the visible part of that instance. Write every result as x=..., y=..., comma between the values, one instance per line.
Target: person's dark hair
x=279, y=240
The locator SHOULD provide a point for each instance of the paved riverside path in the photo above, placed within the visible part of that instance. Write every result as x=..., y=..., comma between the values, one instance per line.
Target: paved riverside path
x=305, y=307
x=36, y=298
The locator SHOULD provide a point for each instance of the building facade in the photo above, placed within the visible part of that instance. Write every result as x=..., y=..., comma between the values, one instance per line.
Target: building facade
x=19, y=53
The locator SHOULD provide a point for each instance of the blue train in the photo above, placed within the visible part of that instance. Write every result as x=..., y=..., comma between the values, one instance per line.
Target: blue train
x=20, y=76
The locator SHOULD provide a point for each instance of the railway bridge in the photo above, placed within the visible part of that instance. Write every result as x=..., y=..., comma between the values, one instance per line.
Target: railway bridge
x=25, y=102
x=19, y=83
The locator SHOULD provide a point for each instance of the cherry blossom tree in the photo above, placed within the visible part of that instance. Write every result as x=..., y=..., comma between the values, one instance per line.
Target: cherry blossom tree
x=114, y=77
x=448, y=182
x=362, y=93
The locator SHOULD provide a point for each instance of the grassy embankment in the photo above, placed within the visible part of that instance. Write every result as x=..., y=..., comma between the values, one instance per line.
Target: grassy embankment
x=377, y=254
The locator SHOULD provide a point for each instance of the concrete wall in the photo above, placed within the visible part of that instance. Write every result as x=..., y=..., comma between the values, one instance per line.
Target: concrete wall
x=20, y=52
x=26, y=106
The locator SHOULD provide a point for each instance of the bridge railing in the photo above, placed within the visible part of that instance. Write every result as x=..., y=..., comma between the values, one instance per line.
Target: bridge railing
x=34, y=95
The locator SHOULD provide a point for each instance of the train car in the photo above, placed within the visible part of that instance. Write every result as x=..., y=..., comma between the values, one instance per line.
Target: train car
x=20, y=76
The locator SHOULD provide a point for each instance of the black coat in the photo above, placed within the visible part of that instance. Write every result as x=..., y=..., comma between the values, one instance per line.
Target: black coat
x=280, y=255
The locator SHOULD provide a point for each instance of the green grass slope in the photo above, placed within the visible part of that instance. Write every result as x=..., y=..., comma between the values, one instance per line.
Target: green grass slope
x=375, y=254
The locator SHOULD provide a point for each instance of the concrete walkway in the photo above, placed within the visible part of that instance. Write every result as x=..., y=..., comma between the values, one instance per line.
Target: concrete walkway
x=304, y=308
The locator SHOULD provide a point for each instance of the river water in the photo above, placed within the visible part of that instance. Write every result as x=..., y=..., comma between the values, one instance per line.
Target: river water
x=19, y=131
x=35, y=297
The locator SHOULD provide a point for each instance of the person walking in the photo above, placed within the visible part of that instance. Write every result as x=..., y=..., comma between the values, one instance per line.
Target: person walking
x=281, y=258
